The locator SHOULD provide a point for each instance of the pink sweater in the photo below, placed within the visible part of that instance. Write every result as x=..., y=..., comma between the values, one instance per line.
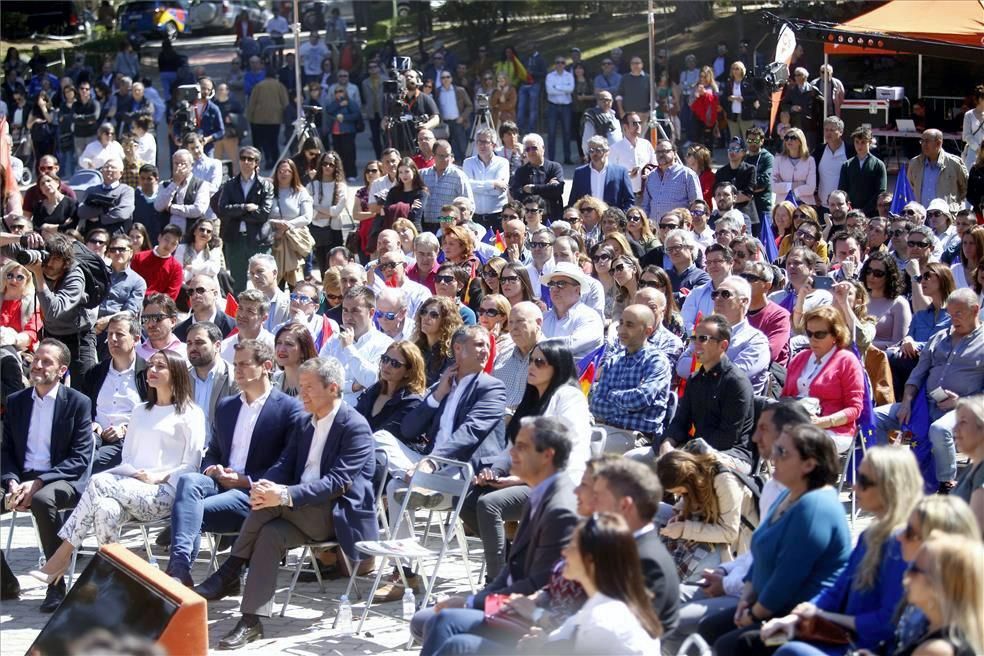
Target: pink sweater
x=839, y=386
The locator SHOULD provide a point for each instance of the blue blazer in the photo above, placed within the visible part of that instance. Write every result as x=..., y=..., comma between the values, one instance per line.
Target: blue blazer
x=71, y=437
x=479, y=435
x=280, y=419
x=618, y=187
x=347, y=467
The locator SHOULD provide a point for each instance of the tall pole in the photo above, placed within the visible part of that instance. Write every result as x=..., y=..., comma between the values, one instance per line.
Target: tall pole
x=297, y=61
x=652, y=69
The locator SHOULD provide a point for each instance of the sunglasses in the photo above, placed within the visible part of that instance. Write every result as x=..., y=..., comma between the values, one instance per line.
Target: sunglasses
x=697, y=212
x=723, y=293
x=447, y=280
x=539, y=363
x=489, y=273
x=490, y=312
x=790, y=137
x=19, y=277
x=864, y=482
x=505, y=280
x=540, y=244
x=601, y=258
x=668, y=226
x=932, y=214
x=98, y=242
x=247, y=158
x=201, y=291
x=917, y=244
x=560, y=284
x=909, y=212
x=117, y=249
x=655, y=284
x=154, y=318
x=703, y=339
x=802, y=234
x=433, y=314
x=389, y=316
x=531, y=210
x=302, y=298
x=388, y=266
x=751, y=277
x=818, y=334
x=373, y=170
x=924, y=276
x=391, y=362
x=619, y=268
x=877, y=273
x=634, y=218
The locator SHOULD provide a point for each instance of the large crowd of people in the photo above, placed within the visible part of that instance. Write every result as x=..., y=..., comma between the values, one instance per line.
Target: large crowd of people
x=225, y=349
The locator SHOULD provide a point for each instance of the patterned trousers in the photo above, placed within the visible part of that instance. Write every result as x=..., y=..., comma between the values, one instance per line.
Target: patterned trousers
x=110, y=500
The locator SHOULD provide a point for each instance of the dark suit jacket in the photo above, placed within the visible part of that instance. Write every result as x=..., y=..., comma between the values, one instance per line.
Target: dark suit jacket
x=393, y=411
x=222, y=320
x=538, y=543
x=540, y=177
x=864, y=183
x=479, y=432
x=347, y=466
x=618, y=186
x=230, y=206
x=748, y=98
x=93, y=380
x=660, y=573
x=743, y=178
x=71, y=437
x=280, y=419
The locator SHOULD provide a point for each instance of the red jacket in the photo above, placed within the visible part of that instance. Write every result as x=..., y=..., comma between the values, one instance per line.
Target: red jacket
x=839, y=386
x=162, y=275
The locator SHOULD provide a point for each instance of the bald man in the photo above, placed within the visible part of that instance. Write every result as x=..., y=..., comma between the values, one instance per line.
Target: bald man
x=630, y=395
x=525, y=328
x=109, y=205
x=664, y=340
x=204, y=294
x=936, y=173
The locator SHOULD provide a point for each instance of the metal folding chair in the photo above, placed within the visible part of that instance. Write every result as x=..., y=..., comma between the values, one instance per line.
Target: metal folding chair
x=451, y=478
x=598, y=438
x=849, y=471
x=309, y=550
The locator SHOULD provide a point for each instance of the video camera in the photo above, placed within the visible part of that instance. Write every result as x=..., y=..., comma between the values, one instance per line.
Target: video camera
x=184, y=116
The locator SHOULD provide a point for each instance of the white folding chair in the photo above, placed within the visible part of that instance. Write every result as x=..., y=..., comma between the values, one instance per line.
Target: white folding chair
x=451, y=478
x=598, y=438
x=851, y=468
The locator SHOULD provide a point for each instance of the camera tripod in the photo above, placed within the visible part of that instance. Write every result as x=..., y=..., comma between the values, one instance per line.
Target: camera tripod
x=483, y=119
x=400, y=134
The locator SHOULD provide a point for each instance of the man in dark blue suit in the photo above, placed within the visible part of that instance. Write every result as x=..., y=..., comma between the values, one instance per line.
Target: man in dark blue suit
x=602, y=179
x=250, y=432
x=461, y=419
x=320, y=489
x=46, y=448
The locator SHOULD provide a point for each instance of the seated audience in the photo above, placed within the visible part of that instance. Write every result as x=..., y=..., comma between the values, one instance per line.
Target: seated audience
x=263, y=274
x=719, y=263
x=493, y=315
x=764, y=315
x=304, y=310
x=158, y=267
x=664, y=340
x=203, y=291
x=936, y=283
x=251, y=315
x=20, y=318
x=46, y=448
x=880, y=277
x=568, y=318
x=525, y=323
x=211, y=378
x=158, y=318
x=293, y=346
x=968, y=434
x=398, y=391
x=435, y=324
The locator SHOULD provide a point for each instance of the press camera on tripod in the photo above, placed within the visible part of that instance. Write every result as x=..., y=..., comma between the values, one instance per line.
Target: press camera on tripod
x=184, y=120
x=399, y=123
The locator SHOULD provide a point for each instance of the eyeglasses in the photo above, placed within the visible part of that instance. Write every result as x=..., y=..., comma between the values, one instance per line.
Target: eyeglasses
x=117, y=249
x=877, y=273
x=668, y=226
x=634, y=218
x=446, y=280
x=531, y=210
x=201, y=291
x=153, y=318
x=505, y=280
x=864, y=482
x=723, y=293
x=490, y=312
x=391, y=362
x=910, y=212
x=301, y=298
x=703, y=339
x=388, y=266
x=818, y=334
x=917, y=244
x=561, y=284
x=19, y=277
x=803, y=234
x=655, y=284
x=676, y=249
x=601, y=258
x=932, y=214
x=99, y=242
x=539, y=363
x=433, y=314
x=923, y=277
x=541, y=244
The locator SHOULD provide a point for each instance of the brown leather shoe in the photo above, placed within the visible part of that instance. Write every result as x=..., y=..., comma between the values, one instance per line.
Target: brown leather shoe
x=394, y=589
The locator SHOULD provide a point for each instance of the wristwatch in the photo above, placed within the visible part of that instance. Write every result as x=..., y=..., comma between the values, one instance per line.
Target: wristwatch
x=285, y=497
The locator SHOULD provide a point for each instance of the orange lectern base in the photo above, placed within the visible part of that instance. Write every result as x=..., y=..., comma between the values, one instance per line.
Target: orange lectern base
x=187, y=632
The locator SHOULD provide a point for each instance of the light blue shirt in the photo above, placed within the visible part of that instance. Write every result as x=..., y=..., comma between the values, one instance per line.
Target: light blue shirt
x=931, y=175
x=203, y=392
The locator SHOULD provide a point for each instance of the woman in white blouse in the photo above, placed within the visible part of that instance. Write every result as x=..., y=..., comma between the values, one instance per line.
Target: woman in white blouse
x=618, y=617
x=795, y=169
x=102, y=149
x=329, y=195
x=201, y=252
x=292, y=208
x=166, y=438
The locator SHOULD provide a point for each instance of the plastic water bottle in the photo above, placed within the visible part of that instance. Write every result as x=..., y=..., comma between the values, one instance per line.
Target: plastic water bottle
x=409, y=604
x=153, y=562
x=344, y=616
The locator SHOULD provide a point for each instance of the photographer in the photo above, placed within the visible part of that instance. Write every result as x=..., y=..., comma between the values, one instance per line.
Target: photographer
x=109, y=205
x=198, y=114
x=60, y=286
x=409, y=107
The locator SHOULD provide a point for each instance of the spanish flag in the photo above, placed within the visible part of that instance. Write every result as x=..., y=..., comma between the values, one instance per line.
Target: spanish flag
x=500, y=243
x=588, y=368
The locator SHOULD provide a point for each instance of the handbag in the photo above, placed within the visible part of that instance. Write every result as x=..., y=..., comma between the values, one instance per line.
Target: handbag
x=822, y=630
x=691, y=557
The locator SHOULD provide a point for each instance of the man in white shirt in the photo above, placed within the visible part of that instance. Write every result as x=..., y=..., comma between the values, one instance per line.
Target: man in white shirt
x=263, y=274
x=251, y=432
x=633, y=152
x=47, y=443
x=835, y=152
x=184, y=196
x=489, y=175
x=358, y=344
x=542, y=248
x=569, y=319
x=251, y=316
x=391, y=273
x=116, y=385
x=392, y=314
x=203, y=167
x=313, y=52
x=559, y=87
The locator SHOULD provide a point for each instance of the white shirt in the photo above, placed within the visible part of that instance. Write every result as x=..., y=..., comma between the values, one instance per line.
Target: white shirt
x=828, y=171
x=242, y=434
x=446, y=427
x=165, y=442
x=147, y=148
x=312, y=466
x=736, y=104
x=625, y=154
x=811, y=371
x=117, y=397
x=447, y=103
x=488, y=199
x=360, y=360
x=37, y=455
x=228, y=350
x=414, y=292
x=582, y=328
x=208, y=169
x=560, y=86
x=535, y=275
x=598, y=181
x=96, y=155
x=605, y=626
x=312, y=54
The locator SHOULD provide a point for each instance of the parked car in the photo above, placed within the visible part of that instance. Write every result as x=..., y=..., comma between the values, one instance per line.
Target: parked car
x=168, y=18
x=221, y=14
x=22, y=18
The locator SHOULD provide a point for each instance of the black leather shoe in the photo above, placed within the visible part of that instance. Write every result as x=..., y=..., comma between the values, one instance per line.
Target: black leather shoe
x=224, y=582
x=9, y=586
x=242, y=635
x=164, y=537
x=53, y=597
x=182, y=576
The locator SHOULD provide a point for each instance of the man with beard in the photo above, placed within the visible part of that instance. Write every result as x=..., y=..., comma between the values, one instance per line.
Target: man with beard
x=671, y=184
x=210, y=374
x=420, y=106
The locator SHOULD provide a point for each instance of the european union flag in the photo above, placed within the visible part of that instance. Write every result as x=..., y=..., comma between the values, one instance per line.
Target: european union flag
x=769, y=242
x=903, y=193
x=791, y=197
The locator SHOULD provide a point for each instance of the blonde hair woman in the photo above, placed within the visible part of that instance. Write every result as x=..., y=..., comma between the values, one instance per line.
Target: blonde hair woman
x=20, y=319
x=795, y=170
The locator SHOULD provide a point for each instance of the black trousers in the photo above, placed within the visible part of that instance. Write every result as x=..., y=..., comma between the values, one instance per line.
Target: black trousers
x=344, y=145
x=267, y=139
x=82, y=346
x=45, y=504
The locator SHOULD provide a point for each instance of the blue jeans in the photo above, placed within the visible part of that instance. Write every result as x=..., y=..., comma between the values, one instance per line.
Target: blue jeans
x=562, y=114
x=459, y=140
x=940, y=436
x=461, y=631
x=528, y=108
x=798, y=648
x=68, y=160
x=201, y=505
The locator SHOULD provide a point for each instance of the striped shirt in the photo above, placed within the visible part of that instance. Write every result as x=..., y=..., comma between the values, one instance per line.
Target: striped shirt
x=631, y=390
x=443, y=188
x=677, y=187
